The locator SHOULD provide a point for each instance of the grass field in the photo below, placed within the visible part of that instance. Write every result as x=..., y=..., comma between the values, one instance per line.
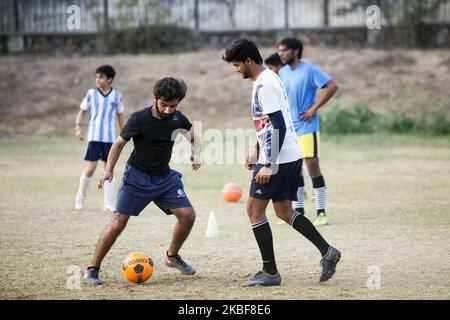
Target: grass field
x=388, y=202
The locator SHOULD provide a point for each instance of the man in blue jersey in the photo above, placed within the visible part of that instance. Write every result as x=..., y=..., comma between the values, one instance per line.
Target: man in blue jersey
x=103, y=104
x=301, y=80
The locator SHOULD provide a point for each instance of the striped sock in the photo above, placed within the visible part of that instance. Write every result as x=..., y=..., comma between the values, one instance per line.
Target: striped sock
x=320, y=193
x=299, y=204
x=263, y=235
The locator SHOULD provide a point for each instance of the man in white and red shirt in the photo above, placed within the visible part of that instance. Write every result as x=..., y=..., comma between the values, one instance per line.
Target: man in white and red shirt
x=276, y=163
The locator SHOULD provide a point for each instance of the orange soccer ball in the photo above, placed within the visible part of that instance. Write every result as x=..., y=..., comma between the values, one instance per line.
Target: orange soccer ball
x=232, y=192
x=137, y=267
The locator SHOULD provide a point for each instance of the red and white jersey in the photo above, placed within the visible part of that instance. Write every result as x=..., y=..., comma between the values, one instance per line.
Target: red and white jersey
x=269, y=96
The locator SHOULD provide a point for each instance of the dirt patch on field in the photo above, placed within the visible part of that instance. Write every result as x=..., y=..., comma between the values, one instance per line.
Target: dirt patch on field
x=41, y=95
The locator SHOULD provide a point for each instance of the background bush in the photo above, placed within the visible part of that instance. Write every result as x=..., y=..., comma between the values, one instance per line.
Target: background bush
x=148, y=39
x=361, y=119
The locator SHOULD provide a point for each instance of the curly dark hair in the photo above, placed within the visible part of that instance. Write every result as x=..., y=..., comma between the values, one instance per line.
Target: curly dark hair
x=242, y=49
x=293, y=43
x=170, y=88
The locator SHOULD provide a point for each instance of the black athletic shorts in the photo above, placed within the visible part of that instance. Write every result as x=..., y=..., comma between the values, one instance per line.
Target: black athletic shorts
x=282, y=186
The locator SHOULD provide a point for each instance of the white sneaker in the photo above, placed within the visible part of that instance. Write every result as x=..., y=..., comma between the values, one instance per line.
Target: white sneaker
x=79, y=202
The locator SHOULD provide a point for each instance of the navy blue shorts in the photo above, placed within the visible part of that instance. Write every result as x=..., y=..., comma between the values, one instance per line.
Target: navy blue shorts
x=282, y=186
x=97, y=151
x=138, y=189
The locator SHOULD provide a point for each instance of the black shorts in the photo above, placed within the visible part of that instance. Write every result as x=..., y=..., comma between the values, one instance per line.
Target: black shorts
x=97, y=151
x=282, y=186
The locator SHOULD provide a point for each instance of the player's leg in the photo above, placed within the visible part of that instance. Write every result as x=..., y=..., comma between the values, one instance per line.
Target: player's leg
x=108, y=187
x=104, y=244
x=84, y=182
x=256, y=210
x=330, y=255
x=130, y=202
x=185, y=221
x=299, y=204
x=186, y=218
x=306, y=179
x=108, y=194
x=306, y=142
x=311, y=159
x=173, y=200
x=299, y=222
x=319, y=190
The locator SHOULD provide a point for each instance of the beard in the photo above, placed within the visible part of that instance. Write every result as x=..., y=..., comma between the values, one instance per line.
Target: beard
x=290, y=60
x=159, y=113
x=246, y=74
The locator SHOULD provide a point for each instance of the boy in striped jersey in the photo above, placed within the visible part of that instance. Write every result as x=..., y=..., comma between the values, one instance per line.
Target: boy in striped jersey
x=103, y=103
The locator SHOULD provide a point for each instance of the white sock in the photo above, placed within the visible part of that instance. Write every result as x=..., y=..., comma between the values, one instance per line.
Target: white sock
x=321, y=196
x=109, y=193
x=300, y=198
x=84, y=185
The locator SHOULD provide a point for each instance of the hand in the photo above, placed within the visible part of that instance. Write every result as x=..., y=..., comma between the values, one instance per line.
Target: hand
x=251, y=160
x=263, y=175
x=106, y=176
x=79, y=133
x=196, y=163
x=307, y=116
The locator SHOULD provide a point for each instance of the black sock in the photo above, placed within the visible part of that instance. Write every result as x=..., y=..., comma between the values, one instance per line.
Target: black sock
x=263, y=235
x=93, y=268
x=307, y=229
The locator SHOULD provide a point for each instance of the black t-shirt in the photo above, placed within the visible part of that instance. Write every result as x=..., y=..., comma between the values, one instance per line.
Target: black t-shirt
x=152, y=138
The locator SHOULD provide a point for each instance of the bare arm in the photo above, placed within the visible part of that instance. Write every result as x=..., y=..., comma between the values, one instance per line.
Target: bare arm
x=79, y=132
x=113, y=156
x=196, y=148
x=120, y=121
x=328, y=92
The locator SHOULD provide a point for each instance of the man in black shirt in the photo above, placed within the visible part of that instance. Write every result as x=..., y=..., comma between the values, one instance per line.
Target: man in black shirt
x=147, y=175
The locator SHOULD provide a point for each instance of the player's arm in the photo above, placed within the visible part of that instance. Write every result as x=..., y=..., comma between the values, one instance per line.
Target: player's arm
x=252, y=158
x=120, y=120
x=79, y=132
x=273, y=149
x=113, y=156
x=328, y=92
x=196, y=148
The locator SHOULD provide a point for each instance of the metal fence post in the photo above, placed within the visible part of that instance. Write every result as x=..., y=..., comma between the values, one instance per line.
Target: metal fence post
x=196, y=15
x=325, y=13
x=286, y=14
x=15, y=8
x=105, y=14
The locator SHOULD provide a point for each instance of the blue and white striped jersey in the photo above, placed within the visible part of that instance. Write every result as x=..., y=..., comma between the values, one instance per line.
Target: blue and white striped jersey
x=102, y=114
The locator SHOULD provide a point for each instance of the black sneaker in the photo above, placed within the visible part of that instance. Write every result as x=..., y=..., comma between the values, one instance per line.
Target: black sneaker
x=329, y=262
x=91, y=276
x=262, y=278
